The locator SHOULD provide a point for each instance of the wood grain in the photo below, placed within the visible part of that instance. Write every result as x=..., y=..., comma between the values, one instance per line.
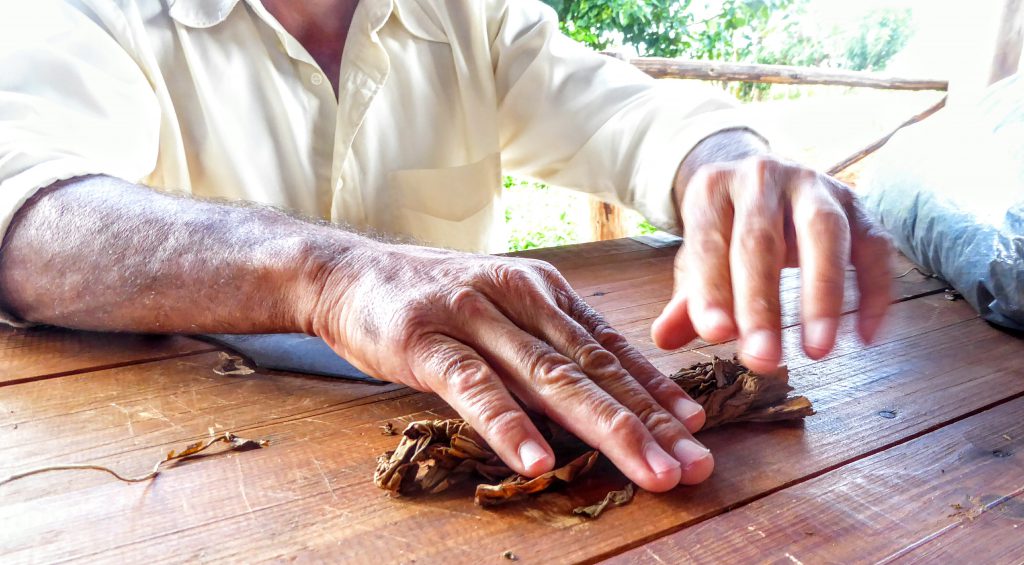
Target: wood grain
x=39, y=353
x=309, y=495
x=952, y=496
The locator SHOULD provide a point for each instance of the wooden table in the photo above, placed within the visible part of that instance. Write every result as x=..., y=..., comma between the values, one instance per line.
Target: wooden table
x=916, y=453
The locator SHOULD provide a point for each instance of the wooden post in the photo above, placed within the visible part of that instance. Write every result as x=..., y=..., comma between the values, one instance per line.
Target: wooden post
x=658, y=67
x=605, y=220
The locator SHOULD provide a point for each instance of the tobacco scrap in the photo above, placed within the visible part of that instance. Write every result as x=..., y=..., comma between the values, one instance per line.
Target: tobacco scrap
x=517, y=487
x=234, y=443
x=388, y=429
x=434, y=455
x=729, y=392
x=613, y=498
x=232, y=365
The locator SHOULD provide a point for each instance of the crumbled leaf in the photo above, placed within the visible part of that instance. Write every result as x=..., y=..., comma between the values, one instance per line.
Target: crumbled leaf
x=729, y=392
x=232, y=365
x=613, y=498
x=234, y=443
x=517, y=487
x=388, y=429
x=434, y=455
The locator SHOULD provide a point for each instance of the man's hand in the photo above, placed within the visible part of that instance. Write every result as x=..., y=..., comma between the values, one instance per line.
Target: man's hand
x=484, y=332
x=747, y=215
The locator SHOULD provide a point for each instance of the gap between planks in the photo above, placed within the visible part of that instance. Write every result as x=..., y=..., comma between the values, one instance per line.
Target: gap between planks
x=107, y=367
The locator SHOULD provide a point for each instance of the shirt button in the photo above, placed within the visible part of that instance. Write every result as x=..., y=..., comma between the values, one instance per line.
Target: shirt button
x=317, y=79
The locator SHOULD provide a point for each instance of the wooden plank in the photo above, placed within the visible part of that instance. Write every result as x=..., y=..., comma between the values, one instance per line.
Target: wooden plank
x=952, y=496
x=136, y=407
x=32, y=354
x=659, y=67
x=309, y=494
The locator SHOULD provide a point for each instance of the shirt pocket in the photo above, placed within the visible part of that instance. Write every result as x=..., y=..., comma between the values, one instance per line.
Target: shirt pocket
x=452, y=207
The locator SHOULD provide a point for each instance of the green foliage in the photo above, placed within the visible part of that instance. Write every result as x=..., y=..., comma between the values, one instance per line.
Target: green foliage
x=667, y=28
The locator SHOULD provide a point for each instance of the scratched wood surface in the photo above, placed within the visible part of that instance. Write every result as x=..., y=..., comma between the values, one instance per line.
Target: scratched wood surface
x=932, y=388
x=34, y=354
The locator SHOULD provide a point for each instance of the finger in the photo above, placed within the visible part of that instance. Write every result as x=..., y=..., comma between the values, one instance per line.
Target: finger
x=756, y=259
x=871, y=253
x=708, y=217
x=546, y=306
x=577, y=331
x=673, y=329
x=467, y=383
x=577, y=402
x=823, y=234
x=696, y=460
x=660, y=387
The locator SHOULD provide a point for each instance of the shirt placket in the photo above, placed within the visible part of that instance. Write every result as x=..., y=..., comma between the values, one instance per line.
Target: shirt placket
x=323, y=98
x=364, y=70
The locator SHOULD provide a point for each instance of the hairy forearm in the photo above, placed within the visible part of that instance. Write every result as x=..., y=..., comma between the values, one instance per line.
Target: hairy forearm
x=103, y=254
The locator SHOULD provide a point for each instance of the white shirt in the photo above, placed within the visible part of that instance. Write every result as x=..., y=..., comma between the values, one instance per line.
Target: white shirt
x=437, y=98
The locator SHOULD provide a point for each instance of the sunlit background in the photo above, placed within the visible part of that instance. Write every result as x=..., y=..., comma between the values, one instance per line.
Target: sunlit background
x=818, y=125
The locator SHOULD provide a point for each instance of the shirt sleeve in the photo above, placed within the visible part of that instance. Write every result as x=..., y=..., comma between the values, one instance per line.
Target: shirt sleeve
x=72, y=102
x=579, y=119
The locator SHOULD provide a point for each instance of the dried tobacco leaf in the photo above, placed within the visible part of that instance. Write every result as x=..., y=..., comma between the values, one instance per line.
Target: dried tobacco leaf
x=232, y=365
x=234, y=443
x=729, y=392
x=613, y=498
x=434, y=455
x=517, y=487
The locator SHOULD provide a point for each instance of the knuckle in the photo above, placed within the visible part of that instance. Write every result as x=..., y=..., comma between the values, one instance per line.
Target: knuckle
x=513, y=274
x=553, y=373
x=467, y=300
x=760, y=239
x=617, y=422
x=608, y=337
x=593, y=358
x=501, y=421
x=826, y=222
x=656, y=419
x=466, y=377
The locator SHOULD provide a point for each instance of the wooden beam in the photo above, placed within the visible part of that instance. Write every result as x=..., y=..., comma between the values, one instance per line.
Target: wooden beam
x=875, y=146
x=658, y=67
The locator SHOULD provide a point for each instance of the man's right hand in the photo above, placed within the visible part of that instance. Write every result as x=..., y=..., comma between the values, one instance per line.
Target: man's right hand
x=484, y=331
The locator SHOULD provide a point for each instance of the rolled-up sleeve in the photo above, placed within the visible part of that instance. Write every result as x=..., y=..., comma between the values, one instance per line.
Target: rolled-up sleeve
x=586, y=121
x=73, y=102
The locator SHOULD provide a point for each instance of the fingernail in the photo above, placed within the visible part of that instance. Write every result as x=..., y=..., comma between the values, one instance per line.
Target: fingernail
x=762, y=344
x=531, y=454
x=715, y=325
x=684, y=409
x=659, y=461
x=820, y=335
x=688, y=452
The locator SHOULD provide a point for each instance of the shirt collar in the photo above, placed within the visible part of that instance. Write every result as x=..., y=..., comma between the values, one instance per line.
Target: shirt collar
x=208, y=13
x=201, y=13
